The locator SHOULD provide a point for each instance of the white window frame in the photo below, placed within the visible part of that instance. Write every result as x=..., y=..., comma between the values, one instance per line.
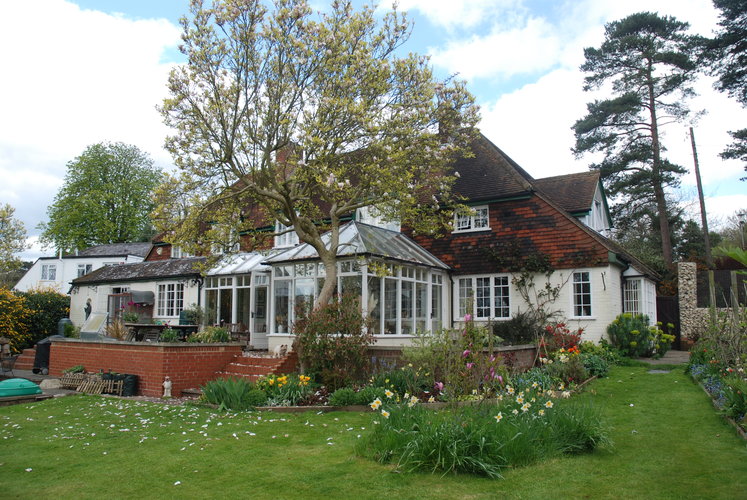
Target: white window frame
x=644, y=301
x=285, y=236
x=49, y=272
x=170, y=300
x=479, y=220
x=372, y=216
x=468, y=285
x=84, y=269
x=575, y=295
x=178, y=253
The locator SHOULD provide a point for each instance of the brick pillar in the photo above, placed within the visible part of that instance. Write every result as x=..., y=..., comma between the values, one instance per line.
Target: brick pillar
x=688, y=299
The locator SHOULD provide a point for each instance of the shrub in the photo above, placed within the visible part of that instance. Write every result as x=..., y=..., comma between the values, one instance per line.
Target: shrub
x=368, y=394
x=344, y=396
x=595, y=365
x=14, y=315
x=210, y=334
x=332, y=341
x=46, y=308
x=481, y=439
x=72, y=331
x=405, y=379
x=194, y=314
x=603, y=349
x=635, y=338
x=130, y=317
x=735, y=397
x=520, y=329
x=169, y=335
x=233, y=394
x=568, y=366
x=558, y=336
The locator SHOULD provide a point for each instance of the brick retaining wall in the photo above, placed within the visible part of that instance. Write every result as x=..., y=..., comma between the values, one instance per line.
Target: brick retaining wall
x=188, y=365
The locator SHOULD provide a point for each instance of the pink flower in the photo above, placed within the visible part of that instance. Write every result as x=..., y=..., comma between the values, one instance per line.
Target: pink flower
x=467, y=317
x=439, y=386
x=470, y=365
x=466, y=353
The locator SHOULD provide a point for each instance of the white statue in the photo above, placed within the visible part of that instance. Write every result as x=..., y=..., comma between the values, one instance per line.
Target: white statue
x=167, y=388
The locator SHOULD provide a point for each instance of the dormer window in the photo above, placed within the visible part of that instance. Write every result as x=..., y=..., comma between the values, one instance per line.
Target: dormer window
x=285, y=236
x=475, y=221
x=178, y=253
x=370, y=215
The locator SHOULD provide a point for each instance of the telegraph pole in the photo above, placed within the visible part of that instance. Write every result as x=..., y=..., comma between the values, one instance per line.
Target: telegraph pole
x=703, y=218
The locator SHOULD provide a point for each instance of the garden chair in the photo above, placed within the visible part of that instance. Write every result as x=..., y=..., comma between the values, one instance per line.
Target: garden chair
x=238, y=332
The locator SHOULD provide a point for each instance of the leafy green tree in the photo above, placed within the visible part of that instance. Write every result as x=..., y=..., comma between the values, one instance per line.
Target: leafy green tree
x=727, y=54
x=650, y=63
x=106, y=198
x=690, y=243
x=305, y=119
x=45, y=307
x=12, y=239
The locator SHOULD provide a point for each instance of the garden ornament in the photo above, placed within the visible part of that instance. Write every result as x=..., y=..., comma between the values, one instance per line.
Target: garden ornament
x=167, y=388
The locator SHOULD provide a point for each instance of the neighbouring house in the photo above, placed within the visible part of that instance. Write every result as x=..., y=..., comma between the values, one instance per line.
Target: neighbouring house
x=58, y=272
x=156, y=290
x=411, y=284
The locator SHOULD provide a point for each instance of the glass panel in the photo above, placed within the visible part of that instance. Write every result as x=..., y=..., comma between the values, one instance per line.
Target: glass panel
x=282, y=305
x=465, y=296
x=304, y=296
x=243, y=309
x=374, y=303
x=500, y=297
x=481, y=218
x=226, y=301
x=436, y=304
x=283, y=270
x=581, y=294
x=390, y=306
x=421, y=306
x=211, y=307
x=482, y=297
x=260, y=309
x=632, y=296
x=407, y=290
x=351, y=285
x=345, y=266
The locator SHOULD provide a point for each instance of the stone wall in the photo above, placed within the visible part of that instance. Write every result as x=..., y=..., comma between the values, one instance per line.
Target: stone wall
x=693, y=319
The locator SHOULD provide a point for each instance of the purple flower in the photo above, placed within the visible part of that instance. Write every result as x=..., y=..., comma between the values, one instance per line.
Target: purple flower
x=470, y=365
x=500, y=379
x=466, y=353
x=439, y=386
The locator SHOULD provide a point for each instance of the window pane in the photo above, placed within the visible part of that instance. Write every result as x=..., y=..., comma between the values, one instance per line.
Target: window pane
x=421, y=306
x=390, y=306
x=500, y=297
x=211, y=307
x=226, y=303
x=351, y=285
x=243, y=311
x=406, y=301
x=465, y=296
x=481, y=218
x=581, y=294
x=482, y=297
x=463, y=222
x=436, y=301
x=632, y=297
x=304, y=295
x=282, y=305
x=374, y=303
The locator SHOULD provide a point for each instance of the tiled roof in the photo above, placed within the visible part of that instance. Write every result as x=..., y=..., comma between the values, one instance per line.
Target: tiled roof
x=573, y=192
x=357, y=238
x=148, y=270
x=138, y=249
x=489, y=174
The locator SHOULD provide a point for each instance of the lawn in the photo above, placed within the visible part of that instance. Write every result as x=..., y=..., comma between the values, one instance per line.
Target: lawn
x=669, y=443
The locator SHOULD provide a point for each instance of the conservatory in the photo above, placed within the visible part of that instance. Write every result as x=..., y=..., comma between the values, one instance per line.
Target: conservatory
x=402, y=287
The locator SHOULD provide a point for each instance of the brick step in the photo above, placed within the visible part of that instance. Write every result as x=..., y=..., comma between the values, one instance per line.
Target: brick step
x=26, y=360
x=249, y=360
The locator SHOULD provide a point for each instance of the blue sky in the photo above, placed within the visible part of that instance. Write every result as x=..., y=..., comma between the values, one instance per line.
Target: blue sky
x=85, y=71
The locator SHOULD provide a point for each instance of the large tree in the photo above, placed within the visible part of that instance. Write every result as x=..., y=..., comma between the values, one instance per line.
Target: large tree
x=727, y=54
x=649, y=61
x=12, y=239
x=106, y=198
x=305, y=118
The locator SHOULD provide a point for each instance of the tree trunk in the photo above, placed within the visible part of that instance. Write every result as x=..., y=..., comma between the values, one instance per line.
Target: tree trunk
x=661, y=202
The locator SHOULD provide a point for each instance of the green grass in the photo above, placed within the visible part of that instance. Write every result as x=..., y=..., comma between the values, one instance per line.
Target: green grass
x=669, y=444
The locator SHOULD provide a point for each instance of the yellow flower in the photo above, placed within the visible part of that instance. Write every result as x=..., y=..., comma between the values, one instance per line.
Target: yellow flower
x=541, y=412
x=519, y=399
x=534, y=385
x=525, y=407
x=388, y=393
x=548, y=404
x=375, y=405
x=498, y=417
x=431, y=399
x=510, y=389
x=384, y=413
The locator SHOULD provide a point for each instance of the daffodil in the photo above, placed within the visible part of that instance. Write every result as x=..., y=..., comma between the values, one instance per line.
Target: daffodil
x=376, y=404
x=541, y=413
x=498, y=417
x=384, y=413
x=519, y=399
x=525, y=407
x=431, y=399
x=548, y=404
x=510, y=389
x=388, y=393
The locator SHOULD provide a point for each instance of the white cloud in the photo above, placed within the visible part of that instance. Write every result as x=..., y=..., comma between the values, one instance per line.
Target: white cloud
x=452, y=14
x=530, y=48
x=73, y=78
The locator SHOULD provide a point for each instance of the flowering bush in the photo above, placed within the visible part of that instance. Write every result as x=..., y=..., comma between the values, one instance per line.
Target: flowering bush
x=285, y=390
x=332, y=341
x=523, y=426
x=559, y=336
x=634, y=337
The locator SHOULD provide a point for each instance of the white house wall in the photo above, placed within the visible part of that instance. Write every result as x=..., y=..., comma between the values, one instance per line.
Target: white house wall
x=67, y=271
x=99, y=295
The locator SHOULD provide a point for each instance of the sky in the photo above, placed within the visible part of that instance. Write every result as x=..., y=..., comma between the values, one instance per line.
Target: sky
x=79, y=72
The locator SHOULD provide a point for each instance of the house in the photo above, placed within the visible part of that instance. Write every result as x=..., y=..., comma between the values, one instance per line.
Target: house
x=410, y=284
x=58, y=272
